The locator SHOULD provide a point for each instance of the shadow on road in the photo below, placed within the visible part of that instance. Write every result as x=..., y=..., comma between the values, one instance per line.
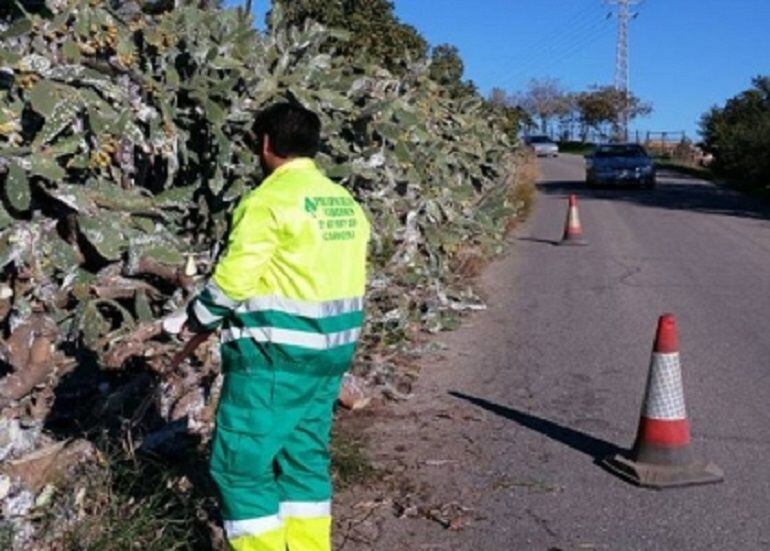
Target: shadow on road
x=594, y=447
x=686, y=193
x=539, y=240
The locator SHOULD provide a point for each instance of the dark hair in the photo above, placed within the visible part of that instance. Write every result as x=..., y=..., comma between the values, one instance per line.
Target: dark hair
x=293, y=130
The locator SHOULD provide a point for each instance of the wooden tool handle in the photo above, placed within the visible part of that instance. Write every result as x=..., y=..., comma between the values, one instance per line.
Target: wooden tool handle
x=189, y=348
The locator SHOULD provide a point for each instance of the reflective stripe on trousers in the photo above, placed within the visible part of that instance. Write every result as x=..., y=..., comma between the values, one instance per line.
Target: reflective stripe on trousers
x=299, y=526
x=267, y=508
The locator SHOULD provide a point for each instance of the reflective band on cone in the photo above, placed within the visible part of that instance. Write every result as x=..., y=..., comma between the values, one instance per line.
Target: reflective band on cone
x=663, y=423
x=573, y=231
x=661, y=454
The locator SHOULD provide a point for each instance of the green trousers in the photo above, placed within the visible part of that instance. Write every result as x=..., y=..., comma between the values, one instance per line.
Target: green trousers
x=270, y=460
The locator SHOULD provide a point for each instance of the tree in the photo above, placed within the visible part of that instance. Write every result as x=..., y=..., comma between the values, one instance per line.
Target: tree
x=602, y=108
x=568, y=118
x=512, y=117
x=446, y=68
x=739, y=134
x=374, y=27
x=498, y=97
x=545, y=99
x=595, y=110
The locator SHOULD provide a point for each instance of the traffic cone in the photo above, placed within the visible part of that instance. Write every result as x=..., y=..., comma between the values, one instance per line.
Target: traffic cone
x=573, y=231
x=661, y=456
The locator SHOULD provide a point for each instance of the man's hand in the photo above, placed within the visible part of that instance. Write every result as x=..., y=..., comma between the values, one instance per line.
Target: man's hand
x=175, y=323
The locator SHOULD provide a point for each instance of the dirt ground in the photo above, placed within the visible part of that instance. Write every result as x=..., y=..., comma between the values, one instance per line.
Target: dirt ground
x=431, y=477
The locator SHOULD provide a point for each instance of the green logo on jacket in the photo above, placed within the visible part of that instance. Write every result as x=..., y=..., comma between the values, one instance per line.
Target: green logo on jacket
x=336, y=216
x=310, y=206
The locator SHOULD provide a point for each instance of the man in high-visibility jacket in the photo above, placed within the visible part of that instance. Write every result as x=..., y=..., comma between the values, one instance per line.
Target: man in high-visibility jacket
x=288, y=296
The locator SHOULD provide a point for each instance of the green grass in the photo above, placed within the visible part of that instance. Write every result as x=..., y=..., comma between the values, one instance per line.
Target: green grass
x=349, y=462
x=6, y=535
x=136, y=503
x=576, y=148
x=689, y=170
x=154, y=504
x=758, y=191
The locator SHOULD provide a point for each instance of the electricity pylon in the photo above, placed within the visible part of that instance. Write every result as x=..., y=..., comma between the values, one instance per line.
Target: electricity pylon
x=621, y=54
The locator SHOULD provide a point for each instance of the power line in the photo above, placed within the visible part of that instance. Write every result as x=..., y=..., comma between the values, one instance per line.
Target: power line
x=555, y=43
x=555, y=53
x=578, y=25
x=579, y=46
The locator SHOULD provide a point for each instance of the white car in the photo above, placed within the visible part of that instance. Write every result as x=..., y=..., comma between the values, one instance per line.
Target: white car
x=543, y=146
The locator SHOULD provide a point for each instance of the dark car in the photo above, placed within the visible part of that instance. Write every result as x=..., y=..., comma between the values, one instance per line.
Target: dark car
x=618, y=164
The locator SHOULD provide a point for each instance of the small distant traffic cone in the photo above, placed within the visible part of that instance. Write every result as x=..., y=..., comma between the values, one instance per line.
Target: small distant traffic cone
x=573, y=231
x=661, y=456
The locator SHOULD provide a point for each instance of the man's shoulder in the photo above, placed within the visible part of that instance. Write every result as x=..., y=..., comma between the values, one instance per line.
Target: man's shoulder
x=297, y=189
x=315, y=182
x=258, y=196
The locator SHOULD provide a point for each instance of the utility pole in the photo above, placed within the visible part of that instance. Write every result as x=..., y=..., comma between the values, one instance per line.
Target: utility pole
x=621, y=54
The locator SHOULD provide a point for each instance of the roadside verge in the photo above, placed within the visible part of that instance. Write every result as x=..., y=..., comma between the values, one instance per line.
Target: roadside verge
x=375, y=488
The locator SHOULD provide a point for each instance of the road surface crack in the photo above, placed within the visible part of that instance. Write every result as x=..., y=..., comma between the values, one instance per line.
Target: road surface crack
x=543, y=523
x=630, y=271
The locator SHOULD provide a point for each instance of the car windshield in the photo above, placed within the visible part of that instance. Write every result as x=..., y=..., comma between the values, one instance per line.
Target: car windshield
x=619, y=151
x=539, y=139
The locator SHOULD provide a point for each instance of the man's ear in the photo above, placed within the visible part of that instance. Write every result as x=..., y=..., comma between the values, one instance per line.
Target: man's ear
x=267, y=147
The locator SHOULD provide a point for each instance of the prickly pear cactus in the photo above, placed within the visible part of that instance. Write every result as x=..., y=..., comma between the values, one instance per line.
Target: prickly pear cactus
x=124, y=147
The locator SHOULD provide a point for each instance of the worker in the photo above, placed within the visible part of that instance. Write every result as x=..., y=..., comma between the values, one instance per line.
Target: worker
x=287, y=294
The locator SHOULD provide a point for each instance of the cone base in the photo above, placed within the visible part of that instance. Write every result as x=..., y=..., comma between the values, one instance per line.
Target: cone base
x=579, y=241
x=663, y=476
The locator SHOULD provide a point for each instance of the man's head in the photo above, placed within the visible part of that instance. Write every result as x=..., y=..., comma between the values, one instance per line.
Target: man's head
x=285, y=131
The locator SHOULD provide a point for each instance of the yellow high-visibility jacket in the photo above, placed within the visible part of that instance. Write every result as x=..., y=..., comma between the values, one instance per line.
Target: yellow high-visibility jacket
x=288, y=291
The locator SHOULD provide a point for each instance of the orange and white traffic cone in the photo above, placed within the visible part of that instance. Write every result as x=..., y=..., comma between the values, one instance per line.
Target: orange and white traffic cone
x=573, y=231
x=661, y=456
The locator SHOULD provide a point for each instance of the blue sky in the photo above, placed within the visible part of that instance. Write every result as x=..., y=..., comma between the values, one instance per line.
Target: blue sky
x=685, y=55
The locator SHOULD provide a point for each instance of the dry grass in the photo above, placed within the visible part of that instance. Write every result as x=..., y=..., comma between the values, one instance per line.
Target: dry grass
x=522, y=189
x=469, y=261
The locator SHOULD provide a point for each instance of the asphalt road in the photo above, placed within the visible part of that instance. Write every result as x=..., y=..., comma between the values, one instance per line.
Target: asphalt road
x=556, y=370
x=579, y=325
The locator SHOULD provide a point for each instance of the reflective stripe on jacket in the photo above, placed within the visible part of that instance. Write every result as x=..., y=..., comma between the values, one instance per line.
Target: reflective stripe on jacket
x=288, y=291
